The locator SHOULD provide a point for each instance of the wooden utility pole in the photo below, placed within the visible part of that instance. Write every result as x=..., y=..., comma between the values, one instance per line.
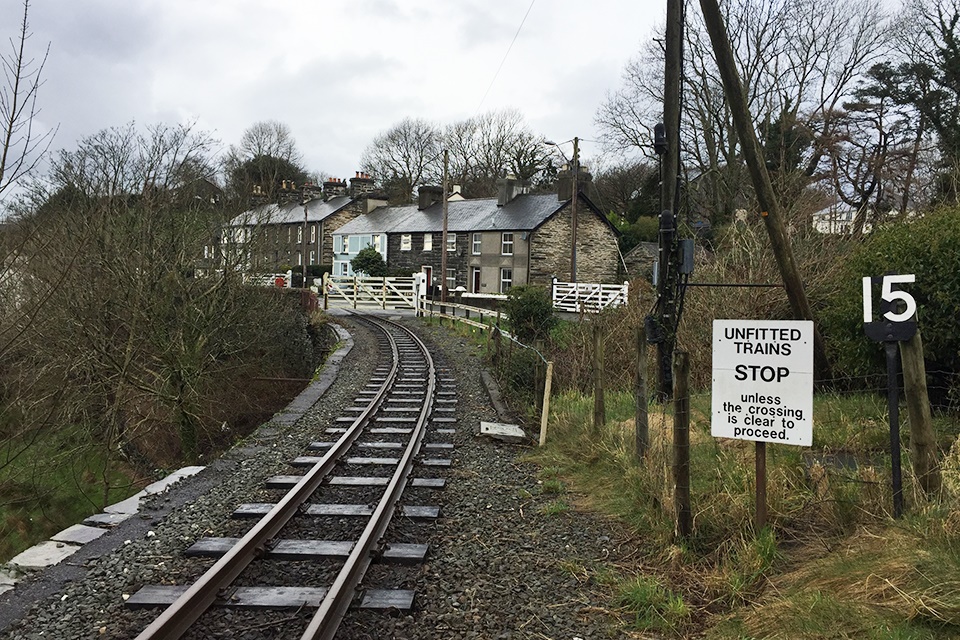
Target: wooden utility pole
x=669, y=173
x=575, y=170
x=443, y=235
x=753, y=156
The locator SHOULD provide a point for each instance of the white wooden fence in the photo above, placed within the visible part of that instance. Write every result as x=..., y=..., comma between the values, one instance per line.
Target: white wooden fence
x=585, y=297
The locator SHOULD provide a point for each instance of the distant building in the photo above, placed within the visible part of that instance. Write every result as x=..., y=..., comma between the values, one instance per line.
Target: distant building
x=492, y=243
x=297, y=230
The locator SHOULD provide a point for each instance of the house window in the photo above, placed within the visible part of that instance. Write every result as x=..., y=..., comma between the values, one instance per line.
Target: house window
x=428, y=242
x=300, y=234
x=313, y=233
x=506, y=244
x=506, y=279
x=289, y=230
x=344, y=268
x=475, y=250
x=452, y=242
x=376, y=243
x=406, y=242
x=313, y=257
x=338, y=244
x=299, y=259
x=206, y=251
x=451, y=279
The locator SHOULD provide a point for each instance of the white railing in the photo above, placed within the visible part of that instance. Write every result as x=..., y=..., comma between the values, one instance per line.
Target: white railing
x=584, y=297
x=270, y=279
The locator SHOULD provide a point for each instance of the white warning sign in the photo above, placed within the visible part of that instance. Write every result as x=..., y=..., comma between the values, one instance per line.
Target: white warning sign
x=763, y=381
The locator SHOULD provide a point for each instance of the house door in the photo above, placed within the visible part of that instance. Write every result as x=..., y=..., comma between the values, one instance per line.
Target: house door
x=428, y=273
x=475, y=278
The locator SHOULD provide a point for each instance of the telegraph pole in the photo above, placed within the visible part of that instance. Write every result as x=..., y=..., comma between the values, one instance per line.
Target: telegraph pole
x=669, y=180
x=443, y=236
x=575, y=169
x=766, y=197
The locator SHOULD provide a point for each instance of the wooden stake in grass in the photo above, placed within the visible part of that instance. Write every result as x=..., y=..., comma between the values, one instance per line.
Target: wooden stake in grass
x=546, y=403
x=923, y=440
x=681, y=443
x=599, y=411
x=642, y=424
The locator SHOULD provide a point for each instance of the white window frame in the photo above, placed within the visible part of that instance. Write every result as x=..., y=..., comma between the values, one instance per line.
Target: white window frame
x=477, y=241
x=313, y=257
x=451, y=280
x=504, y=271
x=406, y=241
x=300, y=234
x=428, y=242
x=451, y=243
x=506, y=243
x=313, y=233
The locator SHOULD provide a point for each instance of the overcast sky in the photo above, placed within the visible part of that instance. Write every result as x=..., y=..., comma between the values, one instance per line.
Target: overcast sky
x=337, y=72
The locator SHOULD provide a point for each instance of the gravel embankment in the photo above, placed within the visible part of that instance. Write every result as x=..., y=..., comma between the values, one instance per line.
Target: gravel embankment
x=499, y=566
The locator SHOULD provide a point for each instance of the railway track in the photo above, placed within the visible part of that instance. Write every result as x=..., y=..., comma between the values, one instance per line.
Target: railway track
x=392, y=439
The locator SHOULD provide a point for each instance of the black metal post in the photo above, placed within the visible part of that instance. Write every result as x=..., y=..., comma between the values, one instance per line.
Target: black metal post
x=893, y=406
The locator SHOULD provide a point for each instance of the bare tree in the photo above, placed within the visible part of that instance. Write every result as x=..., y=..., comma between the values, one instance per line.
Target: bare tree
x=483, y=148
x=405, y=156
x=266, y=156
x=798, y=61
x=21, y=147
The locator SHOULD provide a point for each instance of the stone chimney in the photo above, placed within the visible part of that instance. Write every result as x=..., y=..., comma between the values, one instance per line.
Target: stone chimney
x=310, y=191
x=565, y=183
x=360, y=184
x=334, y=187
x=509, y=188
x=428, y=196
x=288, y=192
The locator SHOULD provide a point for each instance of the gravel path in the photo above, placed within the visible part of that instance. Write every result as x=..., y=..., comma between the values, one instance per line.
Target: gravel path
x=500, y=565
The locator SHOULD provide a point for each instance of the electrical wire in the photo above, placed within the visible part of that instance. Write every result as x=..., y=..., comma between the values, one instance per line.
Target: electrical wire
x=495, y=75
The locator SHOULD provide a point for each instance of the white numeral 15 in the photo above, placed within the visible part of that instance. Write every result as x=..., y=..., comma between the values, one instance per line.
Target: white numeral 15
x=887, y=293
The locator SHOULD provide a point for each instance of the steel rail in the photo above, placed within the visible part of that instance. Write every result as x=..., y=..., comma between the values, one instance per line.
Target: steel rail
x=174, y=621
x=338, y=599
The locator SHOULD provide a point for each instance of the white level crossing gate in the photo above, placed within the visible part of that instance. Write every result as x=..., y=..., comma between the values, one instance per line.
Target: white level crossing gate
x=355, y=292
x=585, y=297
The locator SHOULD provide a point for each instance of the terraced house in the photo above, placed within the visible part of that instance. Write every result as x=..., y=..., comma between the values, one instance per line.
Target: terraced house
x=492, y=243
x=298, y=229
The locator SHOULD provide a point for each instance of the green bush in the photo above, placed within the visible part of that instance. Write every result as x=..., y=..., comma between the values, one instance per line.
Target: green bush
x=929, y=248
x=530, y=309
x=370, y=262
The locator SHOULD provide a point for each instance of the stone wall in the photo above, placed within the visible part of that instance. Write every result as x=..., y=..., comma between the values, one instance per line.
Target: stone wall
x=413, y=260
x=550, y=248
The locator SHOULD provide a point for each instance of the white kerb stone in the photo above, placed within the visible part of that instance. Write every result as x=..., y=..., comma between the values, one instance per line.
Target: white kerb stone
x=78, y=534
x=44, y=554
x=503, y=432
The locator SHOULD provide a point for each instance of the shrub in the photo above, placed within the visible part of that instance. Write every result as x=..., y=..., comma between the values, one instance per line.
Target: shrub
x=929, y=248
x=370, y=262
x=530, y=310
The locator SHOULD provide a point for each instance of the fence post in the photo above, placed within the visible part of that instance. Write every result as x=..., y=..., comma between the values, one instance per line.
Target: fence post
x=548, y=382
x=681, y=443
x=642, y=425
x=355, y=292
x=383, y=291
x=923, y=440
x=599, y=413
x=326, y=298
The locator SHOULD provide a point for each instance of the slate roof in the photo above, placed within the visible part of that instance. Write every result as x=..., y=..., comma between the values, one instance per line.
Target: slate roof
x=290, y=212
x=525, y=212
